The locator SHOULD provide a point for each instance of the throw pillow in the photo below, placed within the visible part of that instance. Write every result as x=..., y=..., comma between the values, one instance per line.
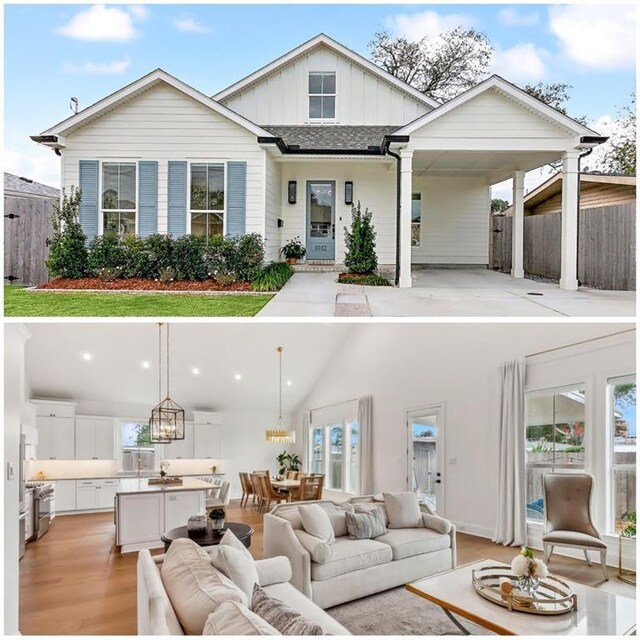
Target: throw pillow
x=316, y=522
x=230, y=539
x=194, y=586
x=368, y=507
x=365, y=526
x=281, y=617
x=403, y=510
x=233, y=619
x=236, y=566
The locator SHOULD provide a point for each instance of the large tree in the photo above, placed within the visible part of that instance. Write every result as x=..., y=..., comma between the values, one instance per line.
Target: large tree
x=621, y=158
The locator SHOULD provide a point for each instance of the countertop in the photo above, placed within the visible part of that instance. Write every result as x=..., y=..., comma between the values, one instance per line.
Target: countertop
x=123, y=477
x=141, y=485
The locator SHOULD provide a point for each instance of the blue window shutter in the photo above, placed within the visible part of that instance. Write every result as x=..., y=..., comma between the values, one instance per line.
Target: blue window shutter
x=236, y=198
x=177, y=198
x=89, y=204
x=147, y=197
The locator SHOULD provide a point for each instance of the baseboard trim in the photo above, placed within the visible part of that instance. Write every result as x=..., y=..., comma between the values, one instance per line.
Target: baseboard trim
x=473, y=529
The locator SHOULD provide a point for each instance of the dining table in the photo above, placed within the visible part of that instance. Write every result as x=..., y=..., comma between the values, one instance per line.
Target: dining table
x=285, y=486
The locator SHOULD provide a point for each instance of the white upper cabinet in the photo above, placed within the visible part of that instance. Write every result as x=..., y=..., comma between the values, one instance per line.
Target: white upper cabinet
x=180, y=449
x=95, y=438
x=56, y=438
x=207, y=435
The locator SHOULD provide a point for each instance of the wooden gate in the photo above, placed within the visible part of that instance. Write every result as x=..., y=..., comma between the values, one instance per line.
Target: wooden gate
x=500, y=259
x=27, y=227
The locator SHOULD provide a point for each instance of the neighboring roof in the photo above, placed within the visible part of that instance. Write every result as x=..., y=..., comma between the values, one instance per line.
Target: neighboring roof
x=553, y=186
x=510, y=90
x=324, y=40
x=128, y=92
x=25, y=186
x=331, y=137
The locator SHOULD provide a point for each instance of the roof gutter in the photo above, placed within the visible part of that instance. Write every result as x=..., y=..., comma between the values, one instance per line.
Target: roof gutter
x=593, y=139
x=49, y=141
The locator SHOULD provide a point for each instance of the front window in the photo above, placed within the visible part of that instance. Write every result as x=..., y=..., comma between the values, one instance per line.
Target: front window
x=137, y=452
x=119, y=198
x=554, y=440
x=416, y=218
x=622, y=429
x=207, y=199
x=322, y=95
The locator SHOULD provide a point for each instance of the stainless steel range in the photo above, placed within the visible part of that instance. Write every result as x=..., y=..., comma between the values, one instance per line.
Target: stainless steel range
x=43, y=496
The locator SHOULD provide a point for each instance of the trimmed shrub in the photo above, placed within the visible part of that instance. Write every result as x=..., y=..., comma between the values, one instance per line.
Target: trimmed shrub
x=360, y=242
x=158, y=254
x=135, y=261
x=366, y=279
x=188, y=258
x=67, y=253
x=249, y=256
x=272, y=277
x=106, y=252
x=219, y=257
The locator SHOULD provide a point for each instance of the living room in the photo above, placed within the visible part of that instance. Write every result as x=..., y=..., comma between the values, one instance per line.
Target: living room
x=451, y=414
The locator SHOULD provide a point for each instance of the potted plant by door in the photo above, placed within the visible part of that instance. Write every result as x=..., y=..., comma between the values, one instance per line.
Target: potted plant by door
x=293, y=250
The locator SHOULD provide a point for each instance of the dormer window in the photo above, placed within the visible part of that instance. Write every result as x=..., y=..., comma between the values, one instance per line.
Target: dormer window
x=322, y=95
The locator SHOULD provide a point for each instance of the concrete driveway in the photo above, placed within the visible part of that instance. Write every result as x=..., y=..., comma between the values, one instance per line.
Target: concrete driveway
x=445, y=293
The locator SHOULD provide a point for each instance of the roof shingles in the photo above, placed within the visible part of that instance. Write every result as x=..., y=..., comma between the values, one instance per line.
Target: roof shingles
x=331, y=137
x=17, y=184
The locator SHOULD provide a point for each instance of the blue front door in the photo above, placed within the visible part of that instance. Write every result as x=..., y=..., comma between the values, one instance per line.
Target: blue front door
x=321, y=227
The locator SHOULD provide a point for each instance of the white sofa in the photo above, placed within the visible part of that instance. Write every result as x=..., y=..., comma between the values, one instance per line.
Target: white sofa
x=157, y=617
x=358, y=568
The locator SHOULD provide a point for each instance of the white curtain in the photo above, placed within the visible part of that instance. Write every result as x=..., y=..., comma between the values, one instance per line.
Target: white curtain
x=365, y=424
x=511, y=524
x=306, y=421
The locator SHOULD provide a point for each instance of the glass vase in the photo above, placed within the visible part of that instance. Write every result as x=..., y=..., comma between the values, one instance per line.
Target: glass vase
x=529, y=585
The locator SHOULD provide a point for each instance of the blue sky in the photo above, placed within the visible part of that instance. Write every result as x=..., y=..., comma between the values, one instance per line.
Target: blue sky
x=92, y=50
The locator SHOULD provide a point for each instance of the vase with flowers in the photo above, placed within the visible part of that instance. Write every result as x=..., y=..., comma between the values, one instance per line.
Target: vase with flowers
x=529, y=570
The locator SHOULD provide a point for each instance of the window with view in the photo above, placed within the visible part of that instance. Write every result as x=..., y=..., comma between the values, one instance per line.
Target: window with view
x=119, y=198
x=622, y=430
x=416, y=218
x=138, y=453
x=554, y=440
x=322, y=95
x=207, y=199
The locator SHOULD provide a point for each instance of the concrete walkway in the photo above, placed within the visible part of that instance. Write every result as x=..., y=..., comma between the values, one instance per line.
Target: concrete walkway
x=445, y=293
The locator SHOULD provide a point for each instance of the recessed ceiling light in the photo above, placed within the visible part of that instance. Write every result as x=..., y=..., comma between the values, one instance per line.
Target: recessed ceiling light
x=289, y=383
x=195, y=371
x=87, y=356
x=238, y=376
x=146, y=365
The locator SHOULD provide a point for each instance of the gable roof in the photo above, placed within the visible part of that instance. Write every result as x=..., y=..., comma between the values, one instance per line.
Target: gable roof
x=324, y=40
x=129, y=91
x=509, y=90
x=25, y=186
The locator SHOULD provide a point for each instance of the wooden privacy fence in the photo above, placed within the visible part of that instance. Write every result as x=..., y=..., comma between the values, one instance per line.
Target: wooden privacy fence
x=606, y=246
x=27, y=227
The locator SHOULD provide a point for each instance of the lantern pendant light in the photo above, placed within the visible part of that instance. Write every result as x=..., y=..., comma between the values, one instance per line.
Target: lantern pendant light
x=280, y=434
x=167, y=417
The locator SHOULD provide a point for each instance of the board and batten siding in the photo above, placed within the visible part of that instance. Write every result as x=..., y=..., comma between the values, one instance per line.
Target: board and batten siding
x=591, y=196
x=362, y=98
x=455, y=221
x=273, y=207
x=164, y=124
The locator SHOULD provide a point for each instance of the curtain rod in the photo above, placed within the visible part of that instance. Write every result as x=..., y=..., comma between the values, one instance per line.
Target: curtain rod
x=576, y=344
x=335, y=404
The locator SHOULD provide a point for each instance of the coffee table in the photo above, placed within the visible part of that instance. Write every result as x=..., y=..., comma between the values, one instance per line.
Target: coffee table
x=242, y=531
x=599, y=612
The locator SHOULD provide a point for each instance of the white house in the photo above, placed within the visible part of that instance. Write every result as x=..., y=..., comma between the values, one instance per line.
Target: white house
x=284, y=151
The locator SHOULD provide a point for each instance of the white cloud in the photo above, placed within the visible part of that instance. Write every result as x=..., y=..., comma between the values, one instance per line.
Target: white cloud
x=188, y=25
x=522, y=63
x=512, y=18
x=139, y=11
x=100, y=24
x=596, y=36
x=114, y=67
x=416, y=26
x=41, y=165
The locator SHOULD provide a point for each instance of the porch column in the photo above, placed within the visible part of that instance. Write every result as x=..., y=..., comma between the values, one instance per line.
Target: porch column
x=406, y=174
x=517, y=229
x=569, y=246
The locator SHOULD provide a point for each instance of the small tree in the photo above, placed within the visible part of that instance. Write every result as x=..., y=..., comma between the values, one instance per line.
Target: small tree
x=498, y=205
x=360, y=243
x=68, y=253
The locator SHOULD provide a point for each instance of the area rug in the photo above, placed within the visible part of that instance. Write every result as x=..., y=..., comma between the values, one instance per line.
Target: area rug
x=398, y=612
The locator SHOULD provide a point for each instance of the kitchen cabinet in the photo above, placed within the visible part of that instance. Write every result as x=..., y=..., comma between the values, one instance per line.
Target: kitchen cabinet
x=65, y=495
x=179, y=506
x=106, y=490
x=94, y=438
x=56, y=438
x=180, y=449
x=207, y=441
x=86, y=495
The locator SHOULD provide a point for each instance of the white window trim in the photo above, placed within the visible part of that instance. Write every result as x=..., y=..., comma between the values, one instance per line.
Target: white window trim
x=224, y=163
x=157, y=447
x=101, y=211
x=320, y=95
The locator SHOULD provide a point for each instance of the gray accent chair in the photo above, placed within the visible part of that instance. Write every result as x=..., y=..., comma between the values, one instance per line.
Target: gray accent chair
x=567, y=516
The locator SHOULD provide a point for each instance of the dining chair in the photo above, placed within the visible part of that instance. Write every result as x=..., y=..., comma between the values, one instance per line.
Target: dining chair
x=291, y=475
x=247, y=490
x=256, y=485
x=310, y=488
x=269, y=493
x=220, y=496
x=262, y=471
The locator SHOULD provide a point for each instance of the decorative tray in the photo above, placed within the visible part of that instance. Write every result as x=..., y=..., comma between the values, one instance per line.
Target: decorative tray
x=553, y=596
x=166, y=480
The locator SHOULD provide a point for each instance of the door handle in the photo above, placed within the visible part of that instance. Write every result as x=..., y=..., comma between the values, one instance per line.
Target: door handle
x=333, y=231
x=438, y=481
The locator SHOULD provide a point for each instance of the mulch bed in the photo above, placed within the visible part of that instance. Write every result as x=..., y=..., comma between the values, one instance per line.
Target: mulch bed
x=140, y=284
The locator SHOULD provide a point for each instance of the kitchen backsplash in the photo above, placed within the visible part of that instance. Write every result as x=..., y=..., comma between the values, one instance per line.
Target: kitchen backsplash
x=178, y=467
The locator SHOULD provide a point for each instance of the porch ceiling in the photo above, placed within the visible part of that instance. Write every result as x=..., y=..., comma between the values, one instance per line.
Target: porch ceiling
x=494, y=166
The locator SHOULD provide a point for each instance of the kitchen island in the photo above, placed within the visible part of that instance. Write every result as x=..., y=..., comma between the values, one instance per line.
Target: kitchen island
x=145, y=511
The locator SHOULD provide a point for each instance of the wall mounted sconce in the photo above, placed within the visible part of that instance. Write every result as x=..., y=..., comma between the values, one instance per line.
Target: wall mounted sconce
x=348, y=192
x=293, y=189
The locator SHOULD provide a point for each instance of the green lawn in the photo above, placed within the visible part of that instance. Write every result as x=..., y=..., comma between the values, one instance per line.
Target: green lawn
x=19, y=303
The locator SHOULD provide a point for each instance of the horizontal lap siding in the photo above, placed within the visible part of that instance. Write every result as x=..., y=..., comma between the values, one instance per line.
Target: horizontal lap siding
x=455, y=221
x=163, y=124
x=599, y=195
x=361, y=97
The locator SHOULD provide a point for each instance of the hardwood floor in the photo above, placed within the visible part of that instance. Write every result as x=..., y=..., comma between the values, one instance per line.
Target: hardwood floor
x=73, y=581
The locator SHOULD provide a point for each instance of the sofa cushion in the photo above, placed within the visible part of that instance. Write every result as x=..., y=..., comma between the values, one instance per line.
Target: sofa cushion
x=194, y=586
x=366, y=526
x=337, y=517
x=234, y=619
x=403, y=509
x=432, y=521
x=281, y=617
x=351, y=555
x=236, y=566
x=273, y=570
x=315, y=522
x=368, y=507
x=573, y=537
x=231, y=540
x=405, y=543
x=319, y=550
